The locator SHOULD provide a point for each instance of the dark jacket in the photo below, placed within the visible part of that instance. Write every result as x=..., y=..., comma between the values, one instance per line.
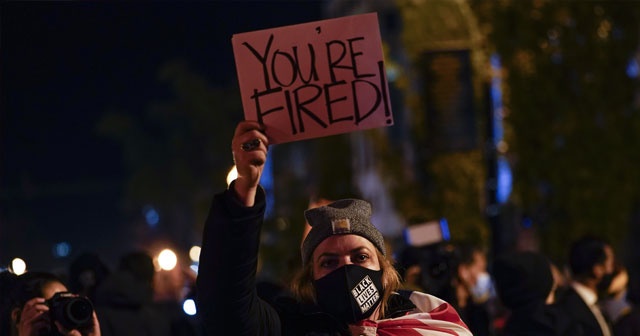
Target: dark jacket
x=628, y=324
x=523, y=283
x=583, y=322
x=124, y=307
x=536, y=319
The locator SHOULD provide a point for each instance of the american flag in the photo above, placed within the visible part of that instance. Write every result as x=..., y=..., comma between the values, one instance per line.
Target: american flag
x=433, y=317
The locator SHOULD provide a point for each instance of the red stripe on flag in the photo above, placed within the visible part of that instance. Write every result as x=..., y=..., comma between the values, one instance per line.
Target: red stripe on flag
x=446, y=312
x=408, y=327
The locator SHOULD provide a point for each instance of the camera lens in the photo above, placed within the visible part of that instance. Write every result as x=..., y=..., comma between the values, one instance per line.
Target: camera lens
x=70, y=310
x=79, y=311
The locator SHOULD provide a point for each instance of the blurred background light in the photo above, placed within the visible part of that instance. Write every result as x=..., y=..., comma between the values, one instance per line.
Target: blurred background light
x=392, y=72
x=151, y=216
x=61, y=250
x=167, y=259
x=194, y=253
x=505, y=180
x=496, y=99
x=189, y=307
x=444, y=227
x=18, y=266
x=633, y=68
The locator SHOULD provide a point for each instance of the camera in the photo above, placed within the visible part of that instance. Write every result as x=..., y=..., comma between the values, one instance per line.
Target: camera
x=72, y=311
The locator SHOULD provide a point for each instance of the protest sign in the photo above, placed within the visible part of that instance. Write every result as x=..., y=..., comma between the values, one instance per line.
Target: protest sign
x=314, y=79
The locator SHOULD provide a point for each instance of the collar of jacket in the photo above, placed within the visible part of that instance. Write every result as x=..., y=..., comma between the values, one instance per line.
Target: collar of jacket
x=399, y=304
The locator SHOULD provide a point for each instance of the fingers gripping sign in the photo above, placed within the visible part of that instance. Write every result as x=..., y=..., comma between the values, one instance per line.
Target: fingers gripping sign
x=249, y=147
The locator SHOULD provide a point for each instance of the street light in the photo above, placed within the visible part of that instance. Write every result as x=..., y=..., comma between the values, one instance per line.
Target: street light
x=167, y=259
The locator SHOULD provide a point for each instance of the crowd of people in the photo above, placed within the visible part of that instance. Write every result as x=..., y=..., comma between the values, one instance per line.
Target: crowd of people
x=349, y=282
x=350, y=285
x=527, y=293
x=90, y=299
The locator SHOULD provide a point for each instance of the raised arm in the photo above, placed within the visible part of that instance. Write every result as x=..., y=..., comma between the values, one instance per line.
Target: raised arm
x=226, y=288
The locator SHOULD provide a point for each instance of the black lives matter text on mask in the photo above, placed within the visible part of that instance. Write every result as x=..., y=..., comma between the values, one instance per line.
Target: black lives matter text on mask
x=365, y=293
x=294, y=75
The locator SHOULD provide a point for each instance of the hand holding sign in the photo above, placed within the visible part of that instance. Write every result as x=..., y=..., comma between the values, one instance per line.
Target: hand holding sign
x=249, y=147
x=314, y=79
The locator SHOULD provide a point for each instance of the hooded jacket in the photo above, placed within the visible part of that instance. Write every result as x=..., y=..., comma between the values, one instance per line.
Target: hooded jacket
x=124, y=307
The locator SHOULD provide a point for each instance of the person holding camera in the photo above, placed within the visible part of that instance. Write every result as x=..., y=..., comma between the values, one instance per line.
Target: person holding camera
x=347, y=285
x=42, y=305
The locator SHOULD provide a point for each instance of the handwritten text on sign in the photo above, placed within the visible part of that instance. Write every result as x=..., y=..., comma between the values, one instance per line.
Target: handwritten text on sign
x=314, y=79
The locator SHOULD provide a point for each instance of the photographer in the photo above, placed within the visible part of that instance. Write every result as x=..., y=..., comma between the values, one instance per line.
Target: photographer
x=41, y=306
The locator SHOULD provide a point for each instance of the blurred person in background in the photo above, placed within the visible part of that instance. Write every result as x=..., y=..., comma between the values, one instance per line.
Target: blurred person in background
x=473, y=289
x=86, y=273
x=347, y=285
x=171, y=288
x=629, y=323
x=455, y=272
x=409, y=266
x=32, y=310
x=612, y=294
x=619, y=302
x=591, y=262
x=124, y=300
x=526, y=287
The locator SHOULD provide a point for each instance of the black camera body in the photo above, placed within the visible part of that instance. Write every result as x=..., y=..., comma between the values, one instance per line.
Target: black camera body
x=72, y=311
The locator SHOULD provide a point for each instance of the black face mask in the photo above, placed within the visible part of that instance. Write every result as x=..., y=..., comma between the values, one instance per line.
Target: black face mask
x=604, y=284
x=350, y=293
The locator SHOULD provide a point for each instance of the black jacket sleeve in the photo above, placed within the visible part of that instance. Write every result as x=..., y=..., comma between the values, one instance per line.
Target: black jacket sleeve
x=227, y=300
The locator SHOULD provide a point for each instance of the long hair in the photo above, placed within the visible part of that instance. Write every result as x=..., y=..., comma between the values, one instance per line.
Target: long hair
x=303, y=289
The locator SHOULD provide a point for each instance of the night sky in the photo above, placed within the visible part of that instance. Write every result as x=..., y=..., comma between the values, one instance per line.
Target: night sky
x=63, y=66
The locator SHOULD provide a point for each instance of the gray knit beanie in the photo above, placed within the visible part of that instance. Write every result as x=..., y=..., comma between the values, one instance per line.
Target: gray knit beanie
x=346, y=216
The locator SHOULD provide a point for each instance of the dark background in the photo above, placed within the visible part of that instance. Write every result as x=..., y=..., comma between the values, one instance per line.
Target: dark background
x=63, y=66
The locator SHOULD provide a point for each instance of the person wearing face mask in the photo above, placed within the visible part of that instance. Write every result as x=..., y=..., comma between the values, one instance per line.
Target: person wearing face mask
x=612, y=292
x=347, y=286
x=591, y=262
x=473, y=289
